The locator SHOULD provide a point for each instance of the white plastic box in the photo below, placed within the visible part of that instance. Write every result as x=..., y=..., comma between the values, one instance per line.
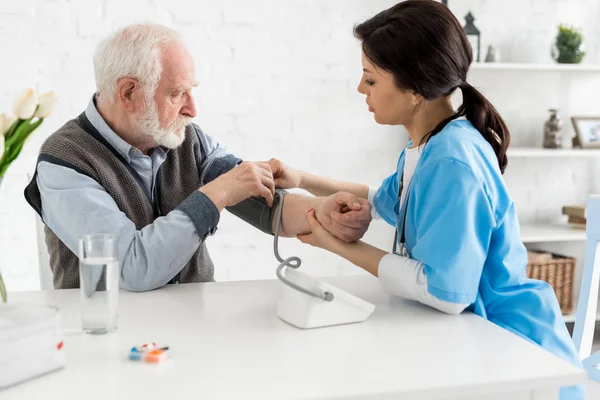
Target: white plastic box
x=306, y=311
x=30, y=342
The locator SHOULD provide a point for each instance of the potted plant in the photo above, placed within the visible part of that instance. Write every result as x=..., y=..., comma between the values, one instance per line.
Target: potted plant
x=568, y=47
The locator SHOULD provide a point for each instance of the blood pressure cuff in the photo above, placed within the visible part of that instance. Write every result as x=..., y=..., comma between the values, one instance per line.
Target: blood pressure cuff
x=256, y=212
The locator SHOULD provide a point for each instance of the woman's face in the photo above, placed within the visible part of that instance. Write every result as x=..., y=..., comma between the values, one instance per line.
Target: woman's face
x=389, y=105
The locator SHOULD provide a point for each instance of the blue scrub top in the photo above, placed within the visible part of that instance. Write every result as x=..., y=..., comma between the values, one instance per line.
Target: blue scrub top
x=462, y=225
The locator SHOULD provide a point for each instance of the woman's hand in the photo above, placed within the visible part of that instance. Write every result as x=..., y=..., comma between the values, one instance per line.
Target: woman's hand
x=285, y=176
x=359, y=253
x=319, y=236
x=344, y=215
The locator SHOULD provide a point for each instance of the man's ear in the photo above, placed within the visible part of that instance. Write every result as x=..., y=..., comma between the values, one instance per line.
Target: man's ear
x=128, y=93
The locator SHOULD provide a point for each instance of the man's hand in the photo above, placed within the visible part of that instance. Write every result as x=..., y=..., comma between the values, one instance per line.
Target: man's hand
x=246, y=180
x=285, y=176
x=344, y=215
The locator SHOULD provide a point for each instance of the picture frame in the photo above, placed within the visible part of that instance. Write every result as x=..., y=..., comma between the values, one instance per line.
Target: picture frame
x=587, y=131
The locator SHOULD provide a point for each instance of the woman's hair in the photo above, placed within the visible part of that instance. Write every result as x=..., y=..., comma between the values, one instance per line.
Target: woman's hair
x=133, y=52
x=424, y=47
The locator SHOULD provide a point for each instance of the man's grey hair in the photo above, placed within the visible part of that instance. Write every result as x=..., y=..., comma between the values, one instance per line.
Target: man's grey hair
x=133, y=52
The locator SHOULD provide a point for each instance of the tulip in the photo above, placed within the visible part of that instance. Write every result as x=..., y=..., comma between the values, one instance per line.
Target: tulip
x=47, y=103
x=25, y=104
x=5, y=123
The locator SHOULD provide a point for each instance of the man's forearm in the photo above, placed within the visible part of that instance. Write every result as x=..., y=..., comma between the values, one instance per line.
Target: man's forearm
x=294, y=214
x=320, y=186
x=328, y=211
x=215, y=194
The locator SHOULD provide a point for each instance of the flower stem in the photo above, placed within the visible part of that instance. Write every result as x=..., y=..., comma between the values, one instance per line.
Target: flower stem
x=2, y=290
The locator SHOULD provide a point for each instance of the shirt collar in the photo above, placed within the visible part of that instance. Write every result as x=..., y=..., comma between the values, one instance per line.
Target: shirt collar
x=124, y=148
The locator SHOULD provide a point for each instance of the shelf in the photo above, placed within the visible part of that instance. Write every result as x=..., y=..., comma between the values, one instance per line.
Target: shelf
x=534, y=67
x=537, y=233
x=570, y=318
x=540, y=152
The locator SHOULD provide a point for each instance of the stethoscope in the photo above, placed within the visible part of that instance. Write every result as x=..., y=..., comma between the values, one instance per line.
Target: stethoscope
x=403, y=251
x=293, y=262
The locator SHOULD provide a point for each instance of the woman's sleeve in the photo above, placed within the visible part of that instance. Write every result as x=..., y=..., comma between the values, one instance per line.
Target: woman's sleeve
x=403, y=276
x=385, y=202
x=454, y=223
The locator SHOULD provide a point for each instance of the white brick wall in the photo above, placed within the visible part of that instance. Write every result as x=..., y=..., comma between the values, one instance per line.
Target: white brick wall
x=276, y=79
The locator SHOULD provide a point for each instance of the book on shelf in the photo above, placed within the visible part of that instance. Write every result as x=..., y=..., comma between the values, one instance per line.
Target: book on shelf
x=577, y=220
x=575, y=211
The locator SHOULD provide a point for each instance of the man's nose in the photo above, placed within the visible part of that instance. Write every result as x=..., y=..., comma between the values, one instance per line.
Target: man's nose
x=189, y=108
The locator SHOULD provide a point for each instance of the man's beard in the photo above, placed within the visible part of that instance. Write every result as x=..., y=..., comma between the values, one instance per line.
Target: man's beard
x=148, y=123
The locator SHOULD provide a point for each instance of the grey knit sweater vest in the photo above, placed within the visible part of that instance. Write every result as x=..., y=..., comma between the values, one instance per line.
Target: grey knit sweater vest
x=78, y=145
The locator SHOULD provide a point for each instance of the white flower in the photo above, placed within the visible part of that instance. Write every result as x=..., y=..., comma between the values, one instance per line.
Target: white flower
x=5, y=123
x=47, y=104
x=25, y=104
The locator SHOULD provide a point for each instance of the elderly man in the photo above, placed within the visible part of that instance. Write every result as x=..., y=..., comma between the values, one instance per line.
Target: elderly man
x=133, y=165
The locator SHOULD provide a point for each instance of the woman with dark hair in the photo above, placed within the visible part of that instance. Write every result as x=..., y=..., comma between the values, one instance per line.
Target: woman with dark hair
x=456, y=225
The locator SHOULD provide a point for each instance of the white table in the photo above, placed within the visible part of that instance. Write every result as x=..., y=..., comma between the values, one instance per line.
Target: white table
x=227, y=342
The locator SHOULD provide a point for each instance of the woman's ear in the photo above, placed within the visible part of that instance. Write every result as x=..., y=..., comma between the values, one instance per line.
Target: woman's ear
x=128, y=91
x=417, y=102
x=417, y=99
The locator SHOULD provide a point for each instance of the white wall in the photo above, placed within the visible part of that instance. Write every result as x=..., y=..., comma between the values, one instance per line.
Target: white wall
x=523, y=31
x=276, y=79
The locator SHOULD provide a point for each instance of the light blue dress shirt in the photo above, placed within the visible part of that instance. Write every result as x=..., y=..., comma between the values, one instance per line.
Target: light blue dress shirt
x=74, y=205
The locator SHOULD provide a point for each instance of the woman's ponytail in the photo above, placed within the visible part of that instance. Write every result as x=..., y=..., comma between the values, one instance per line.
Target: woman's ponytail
x=484, y=117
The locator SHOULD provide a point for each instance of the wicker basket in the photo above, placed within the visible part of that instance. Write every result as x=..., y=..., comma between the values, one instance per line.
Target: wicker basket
x=559, y=273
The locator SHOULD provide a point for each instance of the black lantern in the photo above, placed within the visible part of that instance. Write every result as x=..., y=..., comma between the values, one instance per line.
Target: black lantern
x=473, y=35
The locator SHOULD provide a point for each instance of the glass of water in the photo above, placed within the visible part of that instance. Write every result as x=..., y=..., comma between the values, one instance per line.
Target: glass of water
x=99, y=282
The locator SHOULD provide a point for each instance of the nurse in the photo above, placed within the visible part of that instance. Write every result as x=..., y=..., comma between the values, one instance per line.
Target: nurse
x=457, y=241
